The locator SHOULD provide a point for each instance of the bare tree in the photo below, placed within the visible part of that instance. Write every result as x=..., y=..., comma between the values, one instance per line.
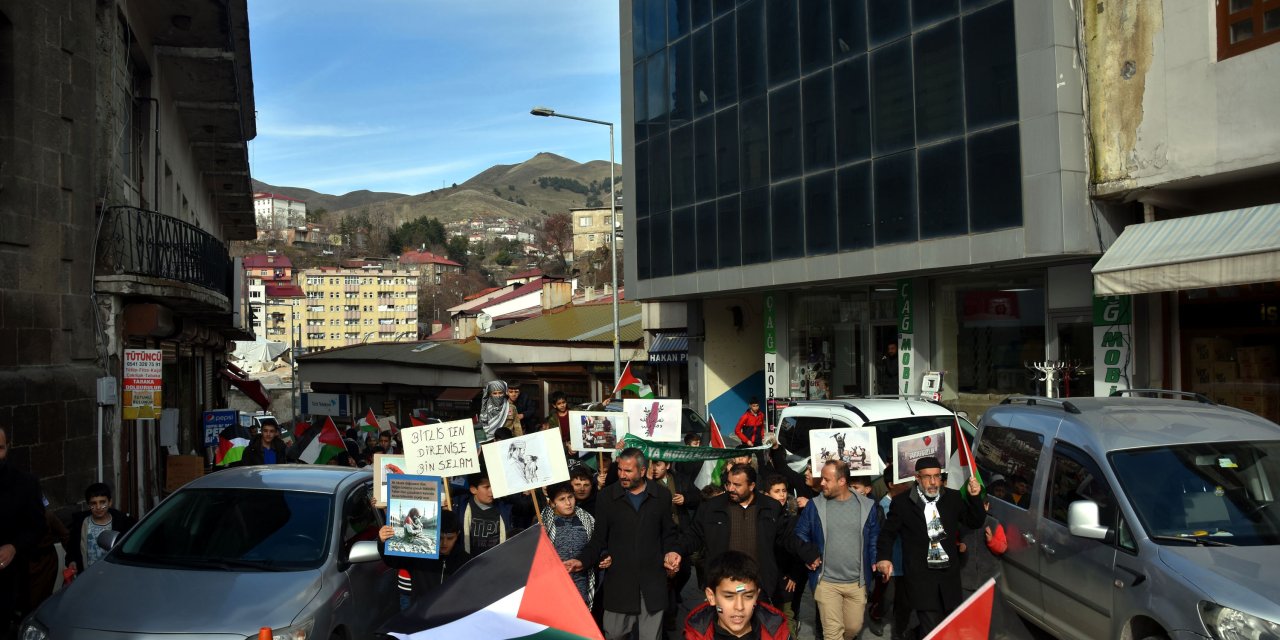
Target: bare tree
x=556, y=238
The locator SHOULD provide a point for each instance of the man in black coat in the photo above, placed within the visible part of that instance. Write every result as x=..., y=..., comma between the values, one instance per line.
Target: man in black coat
x=928, y=518
x=633, y=521
x=265, y=448
x=741, y=519
x=22, y=524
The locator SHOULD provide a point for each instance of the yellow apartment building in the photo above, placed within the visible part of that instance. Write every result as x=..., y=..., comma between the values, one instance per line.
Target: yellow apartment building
x=346, y=306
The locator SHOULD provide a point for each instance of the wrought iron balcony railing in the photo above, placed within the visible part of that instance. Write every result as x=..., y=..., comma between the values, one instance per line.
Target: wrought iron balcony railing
x=147, y=243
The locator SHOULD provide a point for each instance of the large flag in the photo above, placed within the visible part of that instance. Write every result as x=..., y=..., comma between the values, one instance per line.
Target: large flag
x=518, y=589
x=231, y=443
x=629, y=382
x=369, y=424
x=972, y=621
x=712, y=470
x=967, y=465
x=325, y=445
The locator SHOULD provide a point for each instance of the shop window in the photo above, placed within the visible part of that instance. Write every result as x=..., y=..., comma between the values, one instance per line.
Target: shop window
x=985, y=333
x=1014, y=455
x=826, y=345
x=1245, y=25
x=1230, y=341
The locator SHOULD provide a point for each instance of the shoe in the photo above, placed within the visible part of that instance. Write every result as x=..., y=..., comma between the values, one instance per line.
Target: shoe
x=876, y=628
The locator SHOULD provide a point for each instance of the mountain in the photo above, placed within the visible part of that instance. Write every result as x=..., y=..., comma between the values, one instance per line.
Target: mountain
x=316, y=200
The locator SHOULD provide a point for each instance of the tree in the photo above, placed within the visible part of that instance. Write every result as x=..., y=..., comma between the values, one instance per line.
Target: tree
x=457, y=249
x=417, y=232
x=556, y=237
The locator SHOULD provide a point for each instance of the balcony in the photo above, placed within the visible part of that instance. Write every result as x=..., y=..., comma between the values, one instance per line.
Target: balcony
x=146, y=253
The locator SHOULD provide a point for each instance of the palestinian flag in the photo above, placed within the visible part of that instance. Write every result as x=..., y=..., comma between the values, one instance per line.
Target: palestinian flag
x=231, y=443
x=713, y=470
x=326, y=444
x=967, y=465
x=369, y=424
x=972, y=620
x=629, y=382
x=518, y=589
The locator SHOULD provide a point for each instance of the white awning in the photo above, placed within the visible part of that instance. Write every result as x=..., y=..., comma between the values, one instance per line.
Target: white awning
x=1210, y=250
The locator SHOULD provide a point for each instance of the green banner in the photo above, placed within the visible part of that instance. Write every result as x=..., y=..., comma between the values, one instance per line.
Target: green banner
x=672, y=452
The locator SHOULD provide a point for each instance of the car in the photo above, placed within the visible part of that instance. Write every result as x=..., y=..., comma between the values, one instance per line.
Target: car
x=289, y=547
x=892, y=417
x=1136, y=517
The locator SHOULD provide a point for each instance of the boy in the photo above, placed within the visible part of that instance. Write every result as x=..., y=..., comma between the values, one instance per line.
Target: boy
x=418, y=576
x=82, y=546
x=733, y=608
x=792, y=571
x=484, y=523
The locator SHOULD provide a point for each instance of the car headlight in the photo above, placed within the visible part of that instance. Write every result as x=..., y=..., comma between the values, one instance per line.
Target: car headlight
x=300, y=631
x=1225, y=623
x=31, y=629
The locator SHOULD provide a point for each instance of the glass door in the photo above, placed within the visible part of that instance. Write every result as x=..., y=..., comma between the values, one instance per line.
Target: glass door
x=1071, y=341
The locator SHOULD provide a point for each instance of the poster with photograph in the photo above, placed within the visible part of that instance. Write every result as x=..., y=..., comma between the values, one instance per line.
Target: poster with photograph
x=855, y=445
x=528, y=462
x=385, y=464
x=596, y=430
x=413, y=511
x=653, y=420
x=907, y=449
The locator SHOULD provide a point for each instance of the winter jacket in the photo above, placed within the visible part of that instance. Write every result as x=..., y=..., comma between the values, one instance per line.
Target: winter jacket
x=426, y=574
x=638, y=542
x=253, y=453
x=76, y=543
x=981, y=559
x=750, y=429
x=812, y=528
x=929, y=589
x=701, y=623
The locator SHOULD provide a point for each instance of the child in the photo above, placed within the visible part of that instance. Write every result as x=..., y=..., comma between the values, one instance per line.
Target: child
x=980, y=552
x=733, y=607
x=570, y=527
x=793, y=573
x=485, y=523
x=82, y=546
x=418, y=576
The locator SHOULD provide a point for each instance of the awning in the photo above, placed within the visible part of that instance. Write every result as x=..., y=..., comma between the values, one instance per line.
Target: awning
x=251, y=388
x=1210, y=250
x=669, y=348
x=458, y=394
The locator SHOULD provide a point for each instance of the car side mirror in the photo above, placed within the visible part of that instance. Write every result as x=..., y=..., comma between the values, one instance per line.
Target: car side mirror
x=107, y=539
x=1084, y=521
x=363, y=551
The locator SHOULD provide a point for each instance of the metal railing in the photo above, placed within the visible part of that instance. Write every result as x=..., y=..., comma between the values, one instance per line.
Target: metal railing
x=148, y=243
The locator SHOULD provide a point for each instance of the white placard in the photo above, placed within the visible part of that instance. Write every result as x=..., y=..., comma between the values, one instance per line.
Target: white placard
x=854, y=445
x=528, y=462
x=653, y=420
x=907, y=449
x=596, y=430
x=445, y=449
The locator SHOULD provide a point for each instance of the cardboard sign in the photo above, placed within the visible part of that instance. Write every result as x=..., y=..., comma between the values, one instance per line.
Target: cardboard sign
x=907, y=449
x=654, y=420
x=413, y=512
x=445, y=449
x=527, y=462
x=855, y=445
x=383, y=466
x=596, y=430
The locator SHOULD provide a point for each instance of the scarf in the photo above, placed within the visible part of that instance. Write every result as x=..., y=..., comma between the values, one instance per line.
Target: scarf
x=493, y=411
x=937, y=557
x=589, y=523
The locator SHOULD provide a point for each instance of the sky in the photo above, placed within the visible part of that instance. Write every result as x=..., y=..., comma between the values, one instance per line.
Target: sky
x=411, y=95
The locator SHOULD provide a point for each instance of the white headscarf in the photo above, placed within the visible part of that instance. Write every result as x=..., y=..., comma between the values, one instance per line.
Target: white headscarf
x=494, y=410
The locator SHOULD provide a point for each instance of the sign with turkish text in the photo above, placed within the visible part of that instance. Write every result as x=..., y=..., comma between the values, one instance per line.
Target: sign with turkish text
x=142, y=383
x=770, y=346
x=443, y=449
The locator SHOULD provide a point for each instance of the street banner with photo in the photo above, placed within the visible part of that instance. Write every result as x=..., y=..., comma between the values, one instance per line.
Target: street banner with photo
x=413, y=512
x=526, y=462
x=855, y=445
x=385, y=464
x=907, y=449
x=441, y=449
x=518, y=589
x=651, y=419
x=669, y=452
x=596, y=430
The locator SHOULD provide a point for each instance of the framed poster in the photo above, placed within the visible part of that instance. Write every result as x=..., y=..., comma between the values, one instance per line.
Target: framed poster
x=596, y=430
x=855, y=445
x=385, y=464
x=528, y=462
x=907, y=449
x=654, y=420
x=413, y=511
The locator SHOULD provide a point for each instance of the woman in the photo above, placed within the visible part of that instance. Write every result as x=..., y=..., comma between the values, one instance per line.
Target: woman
x=569, y=527
x=496, y=410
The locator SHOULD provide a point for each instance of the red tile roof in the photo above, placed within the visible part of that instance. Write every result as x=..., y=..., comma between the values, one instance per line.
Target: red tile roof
x=267, y=261
x=285, y=291
x=444, y=334
x=481, y=293
x=532, y=273
x=426, y=257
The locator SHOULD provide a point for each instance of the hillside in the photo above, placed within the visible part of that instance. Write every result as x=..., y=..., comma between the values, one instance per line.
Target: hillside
x=316, y=200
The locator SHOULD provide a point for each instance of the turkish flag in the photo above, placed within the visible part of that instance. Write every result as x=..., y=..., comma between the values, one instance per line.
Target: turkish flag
x=972, y=621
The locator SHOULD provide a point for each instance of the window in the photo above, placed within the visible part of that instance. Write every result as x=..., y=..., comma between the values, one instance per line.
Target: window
x=1014, y=454
x=1245, y=25
x=1074, y=477
x=794, y=432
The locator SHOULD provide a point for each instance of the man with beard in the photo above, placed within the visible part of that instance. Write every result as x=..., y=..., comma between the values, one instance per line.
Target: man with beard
x=748, y=522
x=21, y=526
x=928, y=520
x=633, y=521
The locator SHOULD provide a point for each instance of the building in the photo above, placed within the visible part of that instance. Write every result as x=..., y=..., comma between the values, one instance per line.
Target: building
x=591, y=229
x=429, y=265
x=347, y=306
x=815, y=186
x=267, y=274
x=277, y=215
x=125, y=175
x=1199, y=263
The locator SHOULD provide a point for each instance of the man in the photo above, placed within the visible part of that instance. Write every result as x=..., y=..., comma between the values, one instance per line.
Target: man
x=690, y=470
x=21, y=526
x=743, y=520
x=266, y=448
x=928, y=519
x=526, y=413
x=387, y=444
x=733, y=608
x=633, y=521
x=887, y=370
x=844, y=524
x=750, y=429
x=483, y=522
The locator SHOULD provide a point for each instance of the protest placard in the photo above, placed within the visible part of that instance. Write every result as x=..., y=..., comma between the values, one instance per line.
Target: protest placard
x=854, y=445
x=525, y=463
x=445, y=449
x=596, y=430
x=385, y=464
x=413, y=512
x=907, y=449
x=655, y=420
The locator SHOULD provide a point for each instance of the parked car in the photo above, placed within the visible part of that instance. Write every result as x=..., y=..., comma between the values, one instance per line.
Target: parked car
x=290, y=547
x=1133, y=517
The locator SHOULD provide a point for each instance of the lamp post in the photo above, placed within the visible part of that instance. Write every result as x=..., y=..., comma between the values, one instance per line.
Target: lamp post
x=547, y=112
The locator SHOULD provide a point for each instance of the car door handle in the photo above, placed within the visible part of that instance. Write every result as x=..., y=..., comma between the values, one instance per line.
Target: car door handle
x=1048, y=550
x=1031, y=539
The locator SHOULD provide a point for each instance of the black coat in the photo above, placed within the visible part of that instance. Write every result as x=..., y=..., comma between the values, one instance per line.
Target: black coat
x=710, y=531
x=253, y=452
x=22, y=520
x=426, y=574
x=692, y=498
x=638, y=541
x=929, y=589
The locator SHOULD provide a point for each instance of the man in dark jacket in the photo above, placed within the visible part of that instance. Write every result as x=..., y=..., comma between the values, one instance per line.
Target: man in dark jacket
x=743, y=520
x=21, y=525
x=929, y=519
x=633, y=521
x=265, y=448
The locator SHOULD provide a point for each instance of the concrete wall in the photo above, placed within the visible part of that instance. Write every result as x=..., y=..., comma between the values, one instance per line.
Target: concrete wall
x=1163, y=108
x=733, y=357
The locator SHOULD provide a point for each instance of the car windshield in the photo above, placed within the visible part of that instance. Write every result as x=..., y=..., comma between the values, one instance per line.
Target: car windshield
x=887, y=430
x=233, y=530
x=1223, y=491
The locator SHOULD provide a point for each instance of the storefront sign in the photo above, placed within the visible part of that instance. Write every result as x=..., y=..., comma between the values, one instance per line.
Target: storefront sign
x=678, y=357
x=217, y=420
x=142, y=383
x=906, y=327
x=337, y=405
x=770, y=346
x=1112, y=343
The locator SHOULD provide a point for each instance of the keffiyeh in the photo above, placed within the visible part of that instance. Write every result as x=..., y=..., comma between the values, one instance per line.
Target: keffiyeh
x=937, y=558
x=494, y=410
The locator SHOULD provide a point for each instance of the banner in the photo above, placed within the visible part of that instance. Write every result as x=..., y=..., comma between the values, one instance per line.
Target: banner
x=669, y=452
x=1112, y=344
x=906, y=327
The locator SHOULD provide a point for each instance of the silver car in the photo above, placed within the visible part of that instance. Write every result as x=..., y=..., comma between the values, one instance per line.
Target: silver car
x=289, y=547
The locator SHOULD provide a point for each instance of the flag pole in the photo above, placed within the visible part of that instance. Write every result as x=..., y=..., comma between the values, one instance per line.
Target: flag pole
x=448, y=501
x=536, y=510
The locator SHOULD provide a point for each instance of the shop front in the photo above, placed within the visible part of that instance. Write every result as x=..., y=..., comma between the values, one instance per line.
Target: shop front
x=1228, y=341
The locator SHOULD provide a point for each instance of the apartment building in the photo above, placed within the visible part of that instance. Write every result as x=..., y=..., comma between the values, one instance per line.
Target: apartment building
x=277, y=214
x=429, y=266
x=591, y=228
x=345, y=306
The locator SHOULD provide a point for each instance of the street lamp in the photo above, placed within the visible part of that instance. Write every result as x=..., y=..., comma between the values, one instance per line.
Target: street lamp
x=547, y=112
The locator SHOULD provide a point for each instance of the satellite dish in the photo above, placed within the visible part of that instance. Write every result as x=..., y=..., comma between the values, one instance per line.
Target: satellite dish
x=484, y=322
